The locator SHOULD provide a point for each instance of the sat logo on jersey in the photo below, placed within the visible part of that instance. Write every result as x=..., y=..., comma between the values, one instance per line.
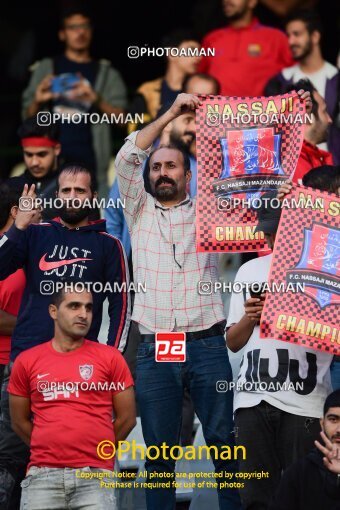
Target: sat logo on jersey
x=319, y=265
x=86, y=371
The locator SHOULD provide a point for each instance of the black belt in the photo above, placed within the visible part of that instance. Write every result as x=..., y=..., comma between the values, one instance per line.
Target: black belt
x=216, y=330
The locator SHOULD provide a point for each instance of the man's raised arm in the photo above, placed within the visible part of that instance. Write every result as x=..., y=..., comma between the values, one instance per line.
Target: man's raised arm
x=183, y=103
x=130, y=159
x=14, y=243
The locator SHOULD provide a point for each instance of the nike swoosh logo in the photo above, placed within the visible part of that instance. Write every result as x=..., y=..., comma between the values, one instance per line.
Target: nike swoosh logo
x=40, y=376
x=44, y=265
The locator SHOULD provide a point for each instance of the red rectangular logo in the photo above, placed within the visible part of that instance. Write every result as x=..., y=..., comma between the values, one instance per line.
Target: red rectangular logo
x=170, y=347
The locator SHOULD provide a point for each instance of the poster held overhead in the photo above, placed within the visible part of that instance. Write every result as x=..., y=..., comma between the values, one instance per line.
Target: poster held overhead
x=245, y=148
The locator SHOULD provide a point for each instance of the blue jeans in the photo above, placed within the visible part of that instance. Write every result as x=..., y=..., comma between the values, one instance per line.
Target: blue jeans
x=159, y=389
x=335, y=373
x=63, y=488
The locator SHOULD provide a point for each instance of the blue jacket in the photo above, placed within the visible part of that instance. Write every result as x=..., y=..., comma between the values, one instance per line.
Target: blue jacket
x=50, y=252
x=115, y=221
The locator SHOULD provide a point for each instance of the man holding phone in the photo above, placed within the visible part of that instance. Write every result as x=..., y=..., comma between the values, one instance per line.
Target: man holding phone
x=76, y=83
x=281, y=386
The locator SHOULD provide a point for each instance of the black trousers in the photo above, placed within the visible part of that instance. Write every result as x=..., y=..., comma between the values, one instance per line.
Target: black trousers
x=273, y=439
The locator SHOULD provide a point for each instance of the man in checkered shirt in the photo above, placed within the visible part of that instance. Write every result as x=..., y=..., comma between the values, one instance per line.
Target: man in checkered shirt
x=162, y=226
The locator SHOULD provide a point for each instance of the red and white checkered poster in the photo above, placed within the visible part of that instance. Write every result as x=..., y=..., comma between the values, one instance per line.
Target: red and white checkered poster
x=245, y=147
x=307, y=255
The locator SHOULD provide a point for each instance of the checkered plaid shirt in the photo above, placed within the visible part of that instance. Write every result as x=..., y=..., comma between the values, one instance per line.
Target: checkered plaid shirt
x=164, y=254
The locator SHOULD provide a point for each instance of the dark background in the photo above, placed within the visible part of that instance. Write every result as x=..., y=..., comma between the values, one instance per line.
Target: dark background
x=29, y=31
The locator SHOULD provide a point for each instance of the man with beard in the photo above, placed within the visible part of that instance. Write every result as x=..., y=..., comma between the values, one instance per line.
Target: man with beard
x=313, y=482
x=247, y=53
x=162, y=226
x=69, y=248
x=311, y=155
x=180, y=132
x=304, y=33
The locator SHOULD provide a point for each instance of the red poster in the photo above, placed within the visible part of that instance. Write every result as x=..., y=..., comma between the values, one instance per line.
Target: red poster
x=306, y=255
x=245, y=147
